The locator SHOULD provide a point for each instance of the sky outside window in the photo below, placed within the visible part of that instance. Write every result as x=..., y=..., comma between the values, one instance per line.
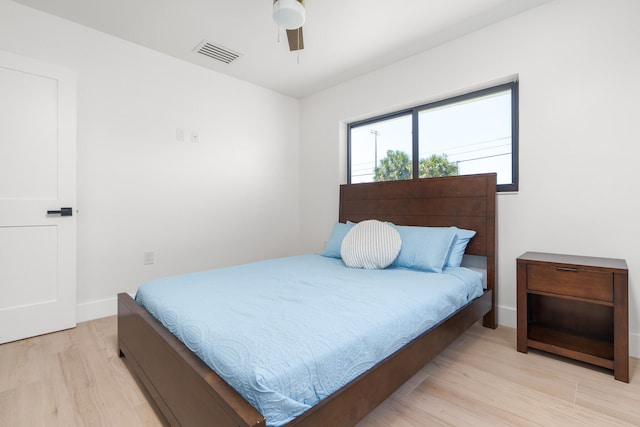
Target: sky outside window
x=475, y=134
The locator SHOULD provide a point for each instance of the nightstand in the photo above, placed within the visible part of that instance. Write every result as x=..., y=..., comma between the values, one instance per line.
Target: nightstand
x=575, y=306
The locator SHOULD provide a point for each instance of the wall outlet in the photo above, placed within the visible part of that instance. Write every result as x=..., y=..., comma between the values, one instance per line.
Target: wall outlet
x=179, y=134
x=195, y=138
x=149, y=257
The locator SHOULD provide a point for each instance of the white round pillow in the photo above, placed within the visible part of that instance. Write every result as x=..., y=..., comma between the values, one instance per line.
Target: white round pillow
x=370, y=244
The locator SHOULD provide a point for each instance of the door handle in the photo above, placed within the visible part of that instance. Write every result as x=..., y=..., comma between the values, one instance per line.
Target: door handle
x=62, y=212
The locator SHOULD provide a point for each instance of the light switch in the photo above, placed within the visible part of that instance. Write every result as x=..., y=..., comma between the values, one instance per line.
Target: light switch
x=149, y=257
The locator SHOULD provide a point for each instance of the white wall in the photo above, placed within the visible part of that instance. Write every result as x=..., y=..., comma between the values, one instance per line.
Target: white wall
x=578, y=64
x=231, y=198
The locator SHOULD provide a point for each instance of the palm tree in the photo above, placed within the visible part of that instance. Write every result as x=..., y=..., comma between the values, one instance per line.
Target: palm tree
x=394, y=167
x=436, y=165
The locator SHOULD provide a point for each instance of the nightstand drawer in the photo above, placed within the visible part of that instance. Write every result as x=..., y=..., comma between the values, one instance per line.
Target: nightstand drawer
x=574, y=282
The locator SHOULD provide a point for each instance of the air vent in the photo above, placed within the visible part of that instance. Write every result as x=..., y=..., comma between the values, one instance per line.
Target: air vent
x=216, y=52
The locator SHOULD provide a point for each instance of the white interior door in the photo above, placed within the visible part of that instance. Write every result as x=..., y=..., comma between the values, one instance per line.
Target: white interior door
x=37, y=174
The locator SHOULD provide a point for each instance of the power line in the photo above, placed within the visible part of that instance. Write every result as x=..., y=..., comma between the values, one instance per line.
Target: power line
x=482, y=158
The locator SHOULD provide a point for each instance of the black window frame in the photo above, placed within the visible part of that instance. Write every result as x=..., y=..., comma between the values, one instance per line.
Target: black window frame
x=415, y=111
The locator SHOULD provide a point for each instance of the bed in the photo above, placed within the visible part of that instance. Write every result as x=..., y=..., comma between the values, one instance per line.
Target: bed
x=189, y=393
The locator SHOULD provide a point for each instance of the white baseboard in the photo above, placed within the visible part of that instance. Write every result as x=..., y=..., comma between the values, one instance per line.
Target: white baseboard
x=96, y=309
x=634, y=345
x=507, y=316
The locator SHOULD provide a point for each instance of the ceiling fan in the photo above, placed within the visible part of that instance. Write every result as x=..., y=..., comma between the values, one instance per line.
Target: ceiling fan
x=290, y=14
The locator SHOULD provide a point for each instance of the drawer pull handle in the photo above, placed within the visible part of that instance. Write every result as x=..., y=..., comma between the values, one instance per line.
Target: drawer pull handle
x=574, y=270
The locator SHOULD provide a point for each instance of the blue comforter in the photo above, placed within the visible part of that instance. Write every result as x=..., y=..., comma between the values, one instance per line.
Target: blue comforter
x=288, y=332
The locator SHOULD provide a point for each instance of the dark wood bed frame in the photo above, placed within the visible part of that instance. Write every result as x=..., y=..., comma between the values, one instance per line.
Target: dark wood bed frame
x=189, y=393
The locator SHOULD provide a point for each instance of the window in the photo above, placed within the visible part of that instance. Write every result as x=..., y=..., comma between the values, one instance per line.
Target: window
x=466, y=134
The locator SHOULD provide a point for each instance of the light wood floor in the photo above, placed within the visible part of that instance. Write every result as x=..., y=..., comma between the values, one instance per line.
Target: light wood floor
x=75, y=378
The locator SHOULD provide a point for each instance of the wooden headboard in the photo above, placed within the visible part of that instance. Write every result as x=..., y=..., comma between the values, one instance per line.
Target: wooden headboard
x=467, y=201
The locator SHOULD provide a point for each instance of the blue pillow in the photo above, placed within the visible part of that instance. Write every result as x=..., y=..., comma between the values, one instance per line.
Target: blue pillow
x=458, y=247
x=424, y=248
x=332, y=248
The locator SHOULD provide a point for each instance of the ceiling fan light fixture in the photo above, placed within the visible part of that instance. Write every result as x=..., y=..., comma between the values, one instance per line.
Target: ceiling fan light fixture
x=288, y=14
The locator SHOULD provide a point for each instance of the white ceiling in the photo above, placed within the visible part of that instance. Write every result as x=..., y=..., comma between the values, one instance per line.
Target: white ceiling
x=343, y=38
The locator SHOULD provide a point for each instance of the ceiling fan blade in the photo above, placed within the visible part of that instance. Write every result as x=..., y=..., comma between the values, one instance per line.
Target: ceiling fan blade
x=296, y=42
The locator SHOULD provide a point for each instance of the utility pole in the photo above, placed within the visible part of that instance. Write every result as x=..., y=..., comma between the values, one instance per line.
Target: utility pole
x=375, y=141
